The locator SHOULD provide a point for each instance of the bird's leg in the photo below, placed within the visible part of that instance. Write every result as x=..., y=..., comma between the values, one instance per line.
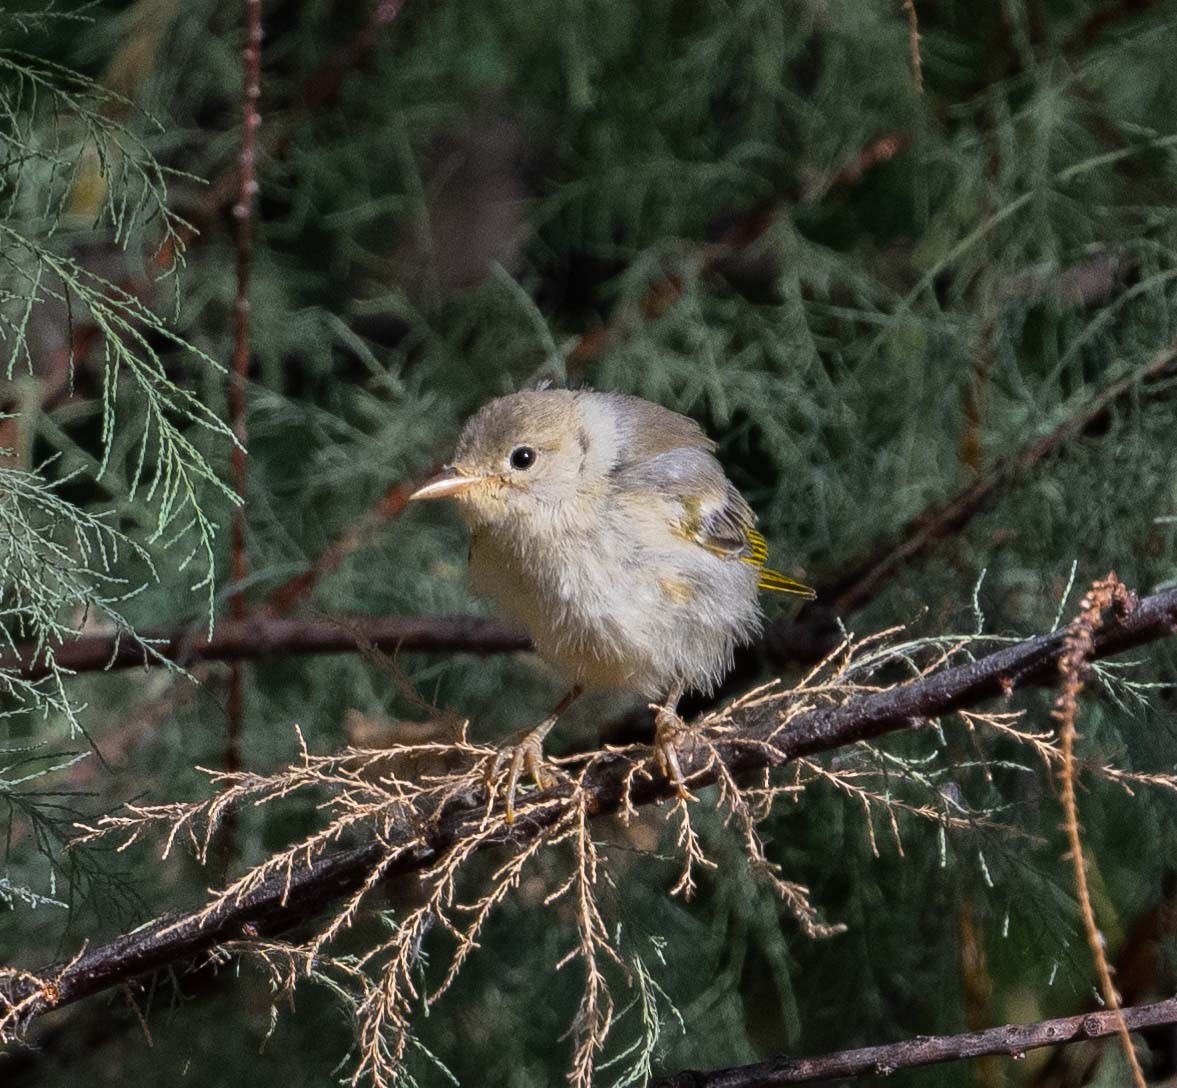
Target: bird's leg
x=668, y=731
x=527, y=753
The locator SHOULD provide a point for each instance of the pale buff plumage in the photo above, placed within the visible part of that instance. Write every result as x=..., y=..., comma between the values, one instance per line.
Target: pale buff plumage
x=605, y=525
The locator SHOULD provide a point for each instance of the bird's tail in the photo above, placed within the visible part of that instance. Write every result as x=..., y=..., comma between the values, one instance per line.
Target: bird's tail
x=770, y=579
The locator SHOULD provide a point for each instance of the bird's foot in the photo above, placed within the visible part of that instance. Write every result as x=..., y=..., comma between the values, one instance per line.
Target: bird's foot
x=669, y=732
x=510, y=762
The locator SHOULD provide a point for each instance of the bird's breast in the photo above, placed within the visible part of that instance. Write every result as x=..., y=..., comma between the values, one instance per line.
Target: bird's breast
x=612, y=613
x=559, y=593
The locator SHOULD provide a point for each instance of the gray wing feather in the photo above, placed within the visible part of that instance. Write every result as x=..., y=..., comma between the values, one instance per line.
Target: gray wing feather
x=714, y=513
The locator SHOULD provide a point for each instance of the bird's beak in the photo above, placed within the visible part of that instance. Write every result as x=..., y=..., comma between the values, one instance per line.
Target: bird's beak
x=445, y=485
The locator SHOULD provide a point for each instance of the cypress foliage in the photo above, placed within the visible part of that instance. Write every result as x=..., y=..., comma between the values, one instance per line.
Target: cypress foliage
x=876, y=285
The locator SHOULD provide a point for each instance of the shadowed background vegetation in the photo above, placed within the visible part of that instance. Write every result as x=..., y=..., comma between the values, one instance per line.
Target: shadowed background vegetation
x=875, y=278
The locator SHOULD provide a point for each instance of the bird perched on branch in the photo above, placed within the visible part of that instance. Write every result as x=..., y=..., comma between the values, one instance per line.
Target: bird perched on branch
x=604, y=524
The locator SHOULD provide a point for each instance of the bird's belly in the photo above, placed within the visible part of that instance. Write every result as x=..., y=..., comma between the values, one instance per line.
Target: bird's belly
x=609, y=621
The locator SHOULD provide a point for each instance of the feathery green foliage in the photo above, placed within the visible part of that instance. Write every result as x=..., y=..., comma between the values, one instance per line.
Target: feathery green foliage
x=74, y=176
x=72, y=171
x=869, y=292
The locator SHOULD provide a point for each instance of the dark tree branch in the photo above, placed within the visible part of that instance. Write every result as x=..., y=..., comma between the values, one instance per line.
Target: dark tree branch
x=267, y=635
x=1013, y=1039
x=282, y=903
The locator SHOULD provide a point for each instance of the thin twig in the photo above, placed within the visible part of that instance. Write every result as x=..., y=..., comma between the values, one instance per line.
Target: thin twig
x=913, y=41
x=390, y=505
x=322, y=89
x=880, y=1061
x=752, y=736
x=880, y=150
x=243, y=209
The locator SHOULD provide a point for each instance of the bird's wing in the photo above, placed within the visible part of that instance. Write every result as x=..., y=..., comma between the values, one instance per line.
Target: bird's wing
x=714, y=515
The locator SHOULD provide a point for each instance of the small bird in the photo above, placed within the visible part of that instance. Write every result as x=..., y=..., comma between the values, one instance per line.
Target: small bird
x=604, y=523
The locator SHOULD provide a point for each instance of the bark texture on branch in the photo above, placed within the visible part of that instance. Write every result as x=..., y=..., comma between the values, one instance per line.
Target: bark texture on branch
x=282, y=903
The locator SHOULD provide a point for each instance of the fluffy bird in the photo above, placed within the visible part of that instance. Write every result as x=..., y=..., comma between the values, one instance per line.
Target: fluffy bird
x=605, y=524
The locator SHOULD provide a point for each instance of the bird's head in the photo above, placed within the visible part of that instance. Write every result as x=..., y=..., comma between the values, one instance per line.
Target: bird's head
x=528, y=464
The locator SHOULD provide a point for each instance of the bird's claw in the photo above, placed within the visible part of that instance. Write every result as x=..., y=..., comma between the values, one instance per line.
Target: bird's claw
x=510, y=761
x=669, y=730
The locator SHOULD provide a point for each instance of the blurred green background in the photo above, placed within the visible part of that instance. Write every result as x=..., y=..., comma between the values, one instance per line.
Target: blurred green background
x=870, y=284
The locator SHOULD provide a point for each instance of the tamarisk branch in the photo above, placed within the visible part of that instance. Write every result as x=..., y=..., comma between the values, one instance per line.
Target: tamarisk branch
x=267, y=635
x=752, y=736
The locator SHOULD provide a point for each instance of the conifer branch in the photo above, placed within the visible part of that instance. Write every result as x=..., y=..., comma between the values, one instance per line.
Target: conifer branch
x=753, y=737
x=880, y=1061
x=319, y=91
x=860, y=584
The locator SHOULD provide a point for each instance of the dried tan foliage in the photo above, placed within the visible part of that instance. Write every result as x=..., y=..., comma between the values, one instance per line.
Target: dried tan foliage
x=399, y=796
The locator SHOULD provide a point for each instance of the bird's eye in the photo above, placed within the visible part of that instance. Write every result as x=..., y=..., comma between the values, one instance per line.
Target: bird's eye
x=522, y=457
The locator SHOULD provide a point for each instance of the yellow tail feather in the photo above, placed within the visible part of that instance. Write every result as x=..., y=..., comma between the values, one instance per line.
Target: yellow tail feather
x=773, y=579
x=780, y=583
